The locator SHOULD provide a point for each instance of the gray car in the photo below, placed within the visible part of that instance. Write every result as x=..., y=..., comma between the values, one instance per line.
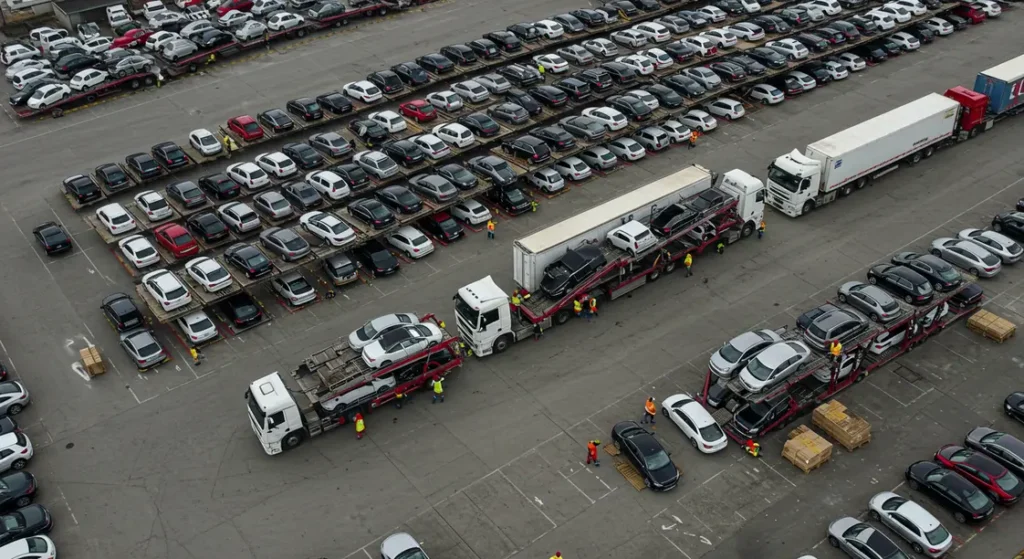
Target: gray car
x=925, y=534
x=144, y=349
x=734, y=355
x=130, y=65
x=285, y=243
x=998, y=244
x=330, y=143
x=862, y=541
x=434, y=186
x=967, y=255
x=495, y=83
x=583, y=127
x=838, y=324
x=599, y=157
x=576, y=54
x=294, y=288
x=13, y=398
x=273, y=205
x=178, y=49
x=870, y=300
x=401, y=546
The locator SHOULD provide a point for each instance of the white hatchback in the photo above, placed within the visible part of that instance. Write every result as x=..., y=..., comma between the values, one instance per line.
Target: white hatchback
x=329, y=184
x=15, y=451
x=205, y=142
x=411, y=242
x=154, y=205
x=700, y=120
x=455, y=134
x=390, y=121
x=724, y=107
x=328, y=227
x=695, y=422
x=139, y=251
x=276, y=164
x=167, y=289
x=633, y=237
x=248, y=175
x=471, y=212
x=208, y=273
x=87, y=79
x=116, y=219
x=197, y=327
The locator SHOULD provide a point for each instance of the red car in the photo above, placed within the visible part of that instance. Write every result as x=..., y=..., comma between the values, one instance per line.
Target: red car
x=246, y=127
x=974, y=14
x=418, y=110
x=240, y=5
x=133, y=38
x=176, y=239
x=987, y=474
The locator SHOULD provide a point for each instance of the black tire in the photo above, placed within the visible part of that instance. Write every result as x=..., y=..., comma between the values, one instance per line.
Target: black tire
x=748, y=230
x=959, y=516
x=135, y=84
x=654, y=276
x=90, y=98
x=808, y=207
x=382, y=12
x=973, y=133
x=909, y=300
x=913, y=484
x=385, y=364
x=915, y=158
x=23, y=502
x=997, y=227
x=875, y=516
x=917, y=548
x=929, y=151
x=562, y=316
x=845, y=191
x=19, y=464
x=693, y=442
x=874, y=317
x=670, y=266
x=301, y=33
x=617, y=445
x=344, y=21
x=292, y=440
x=647, y=482
x=935, y=252
x=15, y=409
x=861, y=183
x=122, y=73
x=664, y=412
x=842, y=298
x=338, y=24
x=973, y=271
x=193, y=68
x=833, y=541
x=872, y=280
x=502, y=343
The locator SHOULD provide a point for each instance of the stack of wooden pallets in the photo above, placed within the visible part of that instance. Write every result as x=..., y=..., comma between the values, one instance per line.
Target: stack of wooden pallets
x=806, y=449
x=92, y=362
x=991, y=326
x=851, y=431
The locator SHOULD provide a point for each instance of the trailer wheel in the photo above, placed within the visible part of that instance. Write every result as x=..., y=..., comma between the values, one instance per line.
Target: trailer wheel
x=502, y=343
x=929, y=151
x=90, y=98
x=338, y=24
x=654, y=276
x=382, y=12
x=135, y=84
x=861, y=183
x=845, y=191
x=748, y=229
x=122, y=73
x=292, y=440
x=916, y=158
x=670, y=267
x=344, y=21
x=149, y=80
x=808, y=207
x=300, y=33
x=193, y=68
x=562, y=316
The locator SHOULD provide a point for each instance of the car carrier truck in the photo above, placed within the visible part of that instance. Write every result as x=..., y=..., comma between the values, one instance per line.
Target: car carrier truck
x=832, y=168
x=489, y=323
x=331, y=386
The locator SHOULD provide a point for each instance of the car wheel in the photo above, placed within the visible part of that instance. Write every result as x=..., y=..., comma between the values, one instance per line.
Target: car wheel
x=122, y=73
x=664, y=411
x=959, y=516
x=647, y=482
x=833, y=541
x=875, y=317
x=872, y=280
x=875, y=516
x=929, y=151
x=917, y=548
x=913, y=484
x=385, y=364
x=936, y=252
x=909, y=300
x=654, y=276
x=670, y=267
x=19, y=464
x=14, y=410
x=997, y=227
x=916, y=158
x=23, y=502
x=973, y=271
x=693, y=442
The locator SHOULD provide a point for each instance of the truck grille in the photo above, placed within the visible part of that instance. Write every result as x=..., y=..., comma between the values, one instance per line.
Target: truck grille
x=778, y=194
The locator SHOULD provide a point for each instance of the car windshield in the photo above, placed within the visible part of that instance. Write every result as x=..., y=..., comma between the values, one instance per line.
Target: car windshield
x=657, y=461
x=990, y=259
x=712, y=432
x=216, y=274
x=730, y=353
x=379, y=212
x=119, y=219
x=938, y=535
x=1008, y=482
x=176, y=293
x=53, y=235
x=207, y=140
x=251, y=127
x=37, y=545
x=338, y=228
x=115, y=174
x=13, y=521
x=256, y=261
x=977, y=500
x=759, y=370
x=182, y=239
x=784, y=179
x=145, y=252
x=279, y=204
x=515, y=195
x=149, y=349
x=295, y=243
x=407, y=198
x=192, y=192
x=201, y=325
x=298, y=285
x=817, y=331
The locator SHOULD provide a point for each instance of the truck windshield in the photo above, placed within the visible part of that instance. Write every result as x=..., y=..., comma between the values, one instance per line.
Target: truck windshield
x=466, y=312
x=786, y=180
x=257, y=414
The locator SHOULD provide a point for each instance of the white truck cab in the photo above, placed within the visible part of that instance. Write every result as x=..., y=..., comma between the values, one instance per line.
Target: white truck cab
x=273, y=414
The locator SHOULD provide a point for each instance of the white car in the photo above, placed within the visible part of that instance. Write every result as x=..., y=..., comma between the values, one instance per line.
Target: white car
x=751, y=6
x=925, y=534
x=704, y=76
x=633, y=237
x=277, y=164
x=703, y=45
x=549, y=29
x=283, y=21
x=806, y=81
x=599, y=157
x=372, y=330
x=677, y=131
x=767, y=94
x=250, y=30
x=990, y=7
x=721, y=37
x=363, y=91
x=139, y=251
x=168, y=18
x=17, y=51
x=653, y=138
x=895, y=11
x=940, y=26
x=471, y=212
x=209, y=273
x=446, y=100
x=248, y=175
x=167, y=289
x=998, y=244
x=830, y=7
x=329, y=184
x=695, y=422
x=239, y=217
x=328, y=227
x=87, y=79
x=263, y=8
x=645, y=98
x=455, y=134
x=727, y=108
x=117, y=15
x=638, y=63
x=658, y=57
x=157, y=40
x=495, y=83
x=814, y=12
x=601, y=47
x=401, y=343
x=411, y=242
x=906, y=41
x=150, y=9
x=700, y=120
x=97, y=45
x=611, y=118
x=884, y=21
x=913, y=6
x=629, y=38
x=654, y=31
x=551, y=63
x=294, y=288
x=885, y=340
x=233, y=18
x=627, y=148
x=746, y=31
x=116, y=219
x=205, y=142
x=852, y=62
x=432, y=146
x=471, y=91
x=836, y=70
x=790, y=48
x=547, y=180
x=572, y=168
x=713, y=13
x=390, y=121
x=29, y=548
x=197, y=327
x=27, y=64
x=154, y=205
x=15, y=452
x=29, y=76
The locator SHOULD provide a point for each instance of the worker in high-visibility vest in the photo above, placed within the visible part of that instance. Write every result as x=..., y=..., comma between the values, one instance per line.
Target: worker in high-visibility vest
x=650, y=411
x=490, y=228
x=720, y=248
x=593, y=306
x=577, y=307
x=835, y=349
x=760, y=229
x=592, y=452
x=438, y=389
x=688, y=262
x=693, y=138
x=557, y=555
x=360, y=426
x=752, y=447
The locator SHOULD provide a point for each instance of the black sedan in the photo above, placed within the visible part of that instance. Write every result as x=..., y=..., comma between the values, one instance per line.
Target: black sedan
x=112, y=176
x=220, y=186
x=144, y=165
x=506, y=40
x=411, y=73
x=336, y=102
x=121, y=312
x=368, y=131
x=242, y=310
x=951, y=490
x=248, y=259
x=524, y=100
x=301, y=195
x=575, y=88
x=510, y=198
x=646, y=454
x=303, y=155
x=208, y=227
x=436, y=62
x=305, y=108
x=212, y=38
x=353, y=174
x=1010, y=223
x=387, y=80
x=684, y=85
x=632, y=107
x=666, y=96
x=372, y=212
x=186, y=193
x=942, y=274
x=81, y=188
x=480, y=124
x=25, y=522
x=376, y=258
x=52, y=237
x=729, y=71
x=1013, y=406
x=404, y=152
x=170, y=155
x=557, y=138
x=911, y=286
x=672, y=219
x=680, y=52
x=510, y=113
x=1002, y=447
x=818, y=71
x=771, y=24
x=458, y=175
x=400, y=199
x=442, y=226
x=276, y=120
x=770, y=58
x=17, y=490
x=549, y=95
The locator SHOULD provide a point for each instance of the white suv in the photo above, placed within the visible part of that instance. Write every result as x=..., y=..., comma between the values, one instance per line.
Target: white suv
x=633, y=237
x=15, y=451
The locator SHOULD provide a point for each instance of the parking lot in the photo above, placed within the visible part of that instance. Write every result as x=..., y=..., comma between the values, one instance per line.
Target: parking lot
x=163, y=464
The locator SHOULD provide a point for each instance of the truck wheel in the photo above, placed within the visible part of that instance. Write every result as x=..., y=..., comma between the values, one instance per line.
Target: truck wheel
x=974, y=132
x=502, y=343
x=845, y=191
x=808, y=207
x=748, y=229
x=193, y=68
x=916, y=158
x=861, y=183
x=562, y=316
x=929, y=151
x=292, y=440
x=301, y=33
x=654, y=276
x=382, y=12
x=670, y=267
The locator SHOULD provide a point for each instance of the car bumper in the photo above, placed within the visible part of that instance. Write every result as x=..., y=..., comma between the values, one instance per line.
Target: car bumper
x=302, y=299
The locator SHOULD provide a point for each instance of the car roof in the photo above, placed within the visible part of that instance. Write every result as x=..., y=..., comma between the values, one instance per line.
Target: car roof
x=776, y=353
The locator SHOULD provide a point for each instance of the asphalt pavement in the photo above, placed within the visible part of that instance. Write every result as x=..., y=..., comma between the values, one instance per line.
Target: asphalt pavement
x=165, y=465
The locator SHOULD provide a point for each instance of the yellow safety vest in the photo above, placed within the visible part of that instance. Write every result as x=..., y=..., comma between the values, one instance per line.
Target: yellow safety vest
x=516, y=300
x=360, y=426
x=577, y=306
x=688, y=260
x=836, y=349
x=437, y=387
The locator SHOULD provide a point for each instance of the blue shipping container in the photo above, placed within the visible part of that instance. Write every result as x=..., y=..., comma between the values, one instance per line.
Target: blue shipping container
x=1003, y=95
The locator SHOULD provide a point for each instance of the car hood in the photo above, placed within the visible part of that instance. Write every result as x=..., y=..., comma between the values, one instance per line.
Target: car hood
x=721, y=367
x=666, y=475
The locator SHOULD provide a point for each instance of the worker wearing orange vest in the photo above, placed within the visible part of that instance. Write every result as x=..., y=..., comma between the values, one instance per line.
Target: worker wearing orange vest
x=592, y=452
x=752, y=448
x=360, y=426
x=760, y=229
x=490, y=228
x=593, y=306
x=693, y=138
x=650, y=410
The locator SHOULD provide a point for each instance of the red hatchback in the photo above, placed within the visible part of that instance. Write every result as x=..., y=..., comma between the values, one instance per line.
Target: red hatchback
x=228, y=5
x=418, y=110
x=985, y=473
x=133, y=38
x=176, y=239
x=246, y=127
x=972, y=13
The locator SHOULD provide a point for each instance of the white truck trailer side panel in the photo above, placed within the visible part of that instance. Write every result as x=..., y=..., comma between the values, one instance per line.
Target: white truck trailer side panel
x=874, y=144
x=532, y=254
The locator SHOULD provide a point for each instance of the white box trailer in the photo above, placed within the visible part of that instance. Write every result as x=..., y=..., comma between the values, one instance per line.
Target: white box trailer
x=532, y=254
x=799, y=182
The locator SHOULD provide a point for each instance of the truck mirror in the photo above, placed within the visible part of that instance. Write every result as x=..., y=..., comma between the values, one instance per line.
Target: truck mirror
x=248, y=393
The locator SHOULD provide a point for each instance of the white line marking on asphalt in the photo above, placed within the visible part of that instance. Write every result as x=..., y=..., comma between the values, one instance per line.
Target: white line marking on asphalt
x=776, y=471
x=577, y=488
x=740, y=515
x=84, y=253
x=514, y=486
x=880, y=389
x=367, y=553
x=68, y=505
x=679, y=549
x=960, y=355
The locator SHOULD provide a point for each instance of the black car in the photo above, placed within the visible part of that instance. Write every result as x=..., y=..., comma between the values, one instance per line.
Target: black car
x=760, y=417
x=940, y=273
x=436, y=63
x=1013, y=406
x=848, y=29
x=922, y=33
x=557, y=138
x=646, y=454
x=19, y=98
x=122, y=313
x=684, y=85
x=186, y=193
x=353, y=174
x=524, y=100
x=891, y=48
x=400, y=199
x=220, y=186
x=788, y=84
x=324, y=10
x=388, y=81
x=527, y=147
x=903, y=282
x=672, y=219
x=17, y=490
x=248, y=259
x=305, y=108
x=52, y=237
x=731, y=7
x=512, y=113
x=411, y=73
x=549, y=95
x=301, y=195
x=959, y=23
x=589, y=17
x=376, y=258
x=144, y=165
x=404, y=152
x=864, y=25
x=526, y=32
x=212, y=38
x=696, y=20
x=82, y=189
x=751, y=66
x=71, y=64
x=571, y=270
x=646, y=5
x=624, y=7
x=303, y=155
x=460, y=54
x=371, y=212
x=620, y=73
x=1010, y=223
x=170, y=155
x=207, y=227
x=570, y=23
x=519, y=75
x=872, y=53
x=583, y=127
x=368, y=131
x=32, y=520
x=336, y=102
x=598, y=79
x=771, y=24
x=480, y=124
x=632, y=107
x=112, y=176
x=497, y=170
x=510, y=198
x=484, y=48
x=818, y=71
x=506, y=41
x=243, y=310
x=1001, y=447
x=276, y=120
x=729, y=71
x=577, y=89
x=951, y=490
x=814, y=43
x=831, y=34
x=796, y=17
x=970, y=295
x=770, y=58
x=458, y=175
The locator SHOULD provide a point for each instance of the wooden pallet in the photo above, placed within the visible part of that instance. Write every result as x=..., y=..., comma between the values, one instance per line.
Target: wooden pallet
x=991, y=326
x=631, y=474
x=611, y=450
x=849, y=430
x=806, y=450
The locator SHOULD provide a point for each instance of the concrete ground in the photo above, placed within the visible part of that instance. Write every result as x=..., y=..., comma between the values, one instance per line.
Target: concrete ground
x=164, y=465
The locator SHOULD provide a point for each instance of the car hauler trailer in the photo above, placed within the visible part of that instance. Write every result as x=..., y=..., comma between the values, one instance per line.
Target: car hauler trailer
x=489, y=323
x=331, y=386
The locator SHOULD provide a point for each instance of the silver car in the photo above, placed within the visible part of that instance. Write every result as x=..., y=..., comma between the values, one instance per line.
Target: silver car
x=998, y=244
x=178, y=49
x=967, y=255
x=401, y=546
x=13, y=397
x=495, y=83
x=576, y=54
x=285, y=243
x=379, y=326
x=435, y=186
x=273, y=205
x=773, y=365
x=862, y=541
x=734, y=355
x=837, y=324
x=925, y=534
x=130, y=65
x=870, y=300
x=599, y=157
x=144, y=349
x=294, y=288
